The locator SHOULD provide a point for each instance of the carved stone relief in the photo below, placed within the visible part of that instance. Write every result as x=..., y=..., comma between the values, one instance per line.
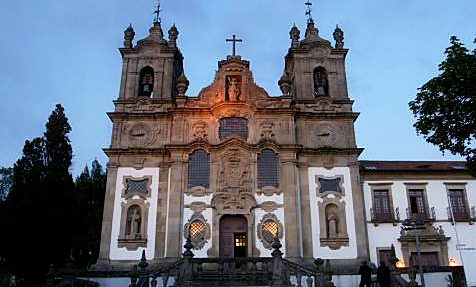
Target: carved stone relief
x=266, y=130
x=324, y=104
x=200, y=131
x=142, y=135
x=143, y=105
x=270, y=206
x=233, y=203
x=234, y=173
x=326, y=134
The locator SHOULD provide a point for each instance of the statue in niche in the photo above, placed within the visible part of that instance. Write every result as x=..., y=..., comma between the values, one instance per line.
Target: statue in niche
x=233, y=88
x=332, y=221
x=321, y=83
x=134, y=220
x=146, y=82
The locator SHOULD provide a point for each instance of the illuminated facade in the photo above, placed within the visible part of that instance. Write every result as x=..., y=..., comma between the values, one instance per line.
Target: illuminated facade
x=232, y=168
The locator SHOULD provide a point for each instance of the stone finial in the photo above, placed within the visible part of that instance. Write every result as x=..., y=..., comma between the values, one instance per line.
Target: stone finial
x=339, y=37
x=173, y=34
x=143, y=261
x=294, y=35
x=182, y=84
x=156, y=34
x=129, y=36
x=312, y=33
x=285, y=84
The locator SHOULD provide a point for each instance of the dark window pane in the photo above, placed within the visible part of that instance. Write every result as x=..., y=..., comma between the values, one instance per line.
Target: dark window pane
x=417, y=201
x=198, y=169
x=268, y=169
x=329, y=185
x=233, y=126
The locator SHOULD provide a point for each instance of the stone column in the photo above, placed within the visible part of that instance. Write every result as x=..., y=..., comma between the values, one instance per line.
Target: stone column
x=175, y=208
x=288, y=186
x=104, y=248
x=306, y=211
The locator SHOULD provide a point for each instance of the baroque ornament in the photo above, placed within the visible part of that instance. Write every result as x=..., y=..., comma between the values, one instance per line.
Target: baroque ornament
x=141, y=135
x=198, y=229
x=268, y=229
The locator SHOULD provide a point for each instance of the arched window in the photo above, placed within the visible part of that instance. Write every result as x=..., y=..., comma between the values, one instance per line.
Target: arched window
x=321, y=83
x=134, y=223
x=146, y=82
x=268, y=169
x=233, y=126
x=198, y=169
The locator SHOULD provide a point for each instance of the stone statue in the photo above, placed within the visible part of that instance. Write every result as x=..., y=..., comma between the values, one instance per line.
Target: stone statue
x=234, y=90
x=134, y=222
x=294, y=35
x=339, y=37
x=320, y=82
x=128, y=37
x=173, y=34
x=332, y=226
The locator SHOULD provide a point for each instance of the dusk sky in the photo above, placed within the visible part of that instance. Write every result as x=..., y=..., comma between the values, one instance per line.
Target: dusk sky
x=66, y=52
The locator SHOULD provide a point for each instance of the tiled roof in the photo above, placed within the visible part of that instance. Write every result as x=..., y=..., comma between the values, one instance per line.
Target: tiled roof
x=370, y=165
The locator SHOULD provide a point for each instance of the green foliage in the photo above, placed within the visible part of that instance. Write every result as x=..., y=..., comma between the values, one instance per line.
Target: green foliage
x=5, y=182
x=38, y=211
x=445, y=106
x=90, y=189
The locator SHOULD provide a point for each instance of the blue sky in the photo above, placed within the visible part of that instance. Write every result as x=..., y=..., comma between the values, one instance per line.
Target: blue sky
x=66, y=52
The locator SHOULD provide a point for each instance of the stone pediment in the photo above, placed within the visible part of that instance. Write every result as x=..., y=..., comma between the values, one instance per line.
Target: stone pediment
x=233, y=84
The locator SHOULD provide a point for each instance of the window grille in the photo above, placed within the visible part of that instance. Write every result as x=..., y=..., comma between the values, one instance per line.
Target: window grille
x=233, y=126
x=268, y=169
x=199, y=169
x=140, y=186
x=198, y=230
x=269, y=230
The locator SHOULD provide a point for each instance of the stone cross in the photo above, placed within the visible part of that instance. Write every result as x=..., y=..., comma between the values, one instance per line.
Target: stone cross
x=234, y=40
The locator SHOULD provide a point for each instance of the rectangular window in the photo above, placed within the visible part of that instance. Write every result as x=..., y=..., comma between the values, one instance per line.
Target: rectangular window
x=382, y=210
x=417, y=202
x=458, y=204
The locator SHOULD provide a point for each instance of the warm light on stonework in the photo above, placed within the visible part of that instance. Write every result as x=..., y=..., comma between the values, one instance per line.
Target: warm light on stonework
x=400, y=264
x=452, y=262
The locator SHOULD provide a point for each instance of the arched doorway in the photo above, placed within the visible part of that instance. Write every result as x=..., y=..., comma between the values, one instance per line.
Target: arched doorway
x=233, y=236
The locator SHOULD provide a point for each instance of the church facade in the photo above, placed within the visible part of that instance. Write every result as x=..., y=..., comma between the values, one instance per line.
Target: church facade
x=233, y=168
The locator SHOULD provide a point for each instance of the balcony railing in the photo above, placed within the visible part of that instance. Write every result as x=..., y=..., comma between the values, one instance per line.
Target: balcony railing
x=461, y=215
x=426, y=216
x=385, y=217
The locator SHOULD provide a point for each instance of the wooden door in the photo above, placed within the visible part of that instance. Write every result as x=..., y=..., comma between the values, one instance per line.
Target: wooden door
x=233, y=227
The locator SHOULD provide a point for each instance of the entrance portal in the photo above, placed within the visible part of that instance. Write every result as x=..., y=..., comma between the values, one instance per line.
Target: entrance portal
x=233, y=236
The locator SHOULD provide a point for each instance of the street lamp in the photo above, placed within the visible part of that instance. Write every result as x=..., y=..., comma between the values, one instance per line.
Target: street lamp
x=416, y=225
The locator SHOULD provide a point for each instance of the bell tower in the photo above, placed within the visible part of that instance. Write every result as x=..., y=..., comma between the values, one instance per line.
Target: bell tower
x=152, y=67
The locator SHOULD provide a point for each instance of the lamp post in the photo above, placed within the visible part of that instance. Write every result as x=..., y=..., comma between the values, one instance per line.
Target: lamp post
x=416, y=225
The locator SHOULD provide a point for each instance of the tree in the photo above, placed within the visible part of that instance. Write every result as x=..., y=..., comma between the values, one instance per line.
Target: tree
x=445, y=106
x=90, y=187
x=40, y=205
x=5, y=182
